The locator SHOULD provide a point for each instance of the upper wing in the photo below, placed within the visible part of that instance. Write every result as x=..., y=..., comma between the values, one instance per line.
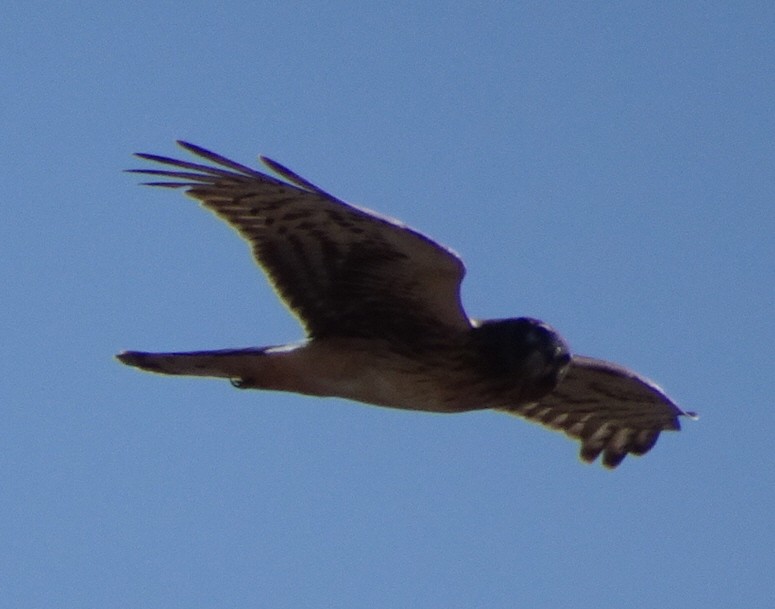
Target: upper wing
x=342, y=270
x=609, y=408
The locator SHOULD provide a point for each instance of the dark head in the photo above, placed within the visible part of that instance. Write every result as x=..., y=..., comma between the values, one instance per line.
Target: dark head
x=525, y=350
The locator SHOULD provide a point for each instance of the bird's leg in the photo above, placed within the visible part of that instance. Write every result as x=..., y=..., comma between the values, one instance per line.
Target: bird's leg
x=246, y=383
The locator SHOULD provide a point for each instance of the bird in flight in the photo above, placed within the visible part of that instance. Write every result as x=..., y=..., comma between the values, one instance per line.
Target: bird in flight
x=381, y=307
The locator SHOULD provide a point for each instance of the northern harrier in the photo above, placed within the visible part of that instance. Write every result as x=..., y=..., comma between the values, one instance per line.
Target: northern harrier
x=381, y=307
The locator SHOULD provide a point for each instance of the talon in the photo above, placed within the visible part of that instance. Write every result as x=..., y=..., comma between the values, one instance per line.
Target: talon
x=238, y=383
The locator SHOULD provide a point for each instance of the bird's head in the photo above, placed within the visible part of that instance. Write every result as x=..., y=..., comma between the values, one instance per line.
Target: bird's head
x=526, y=350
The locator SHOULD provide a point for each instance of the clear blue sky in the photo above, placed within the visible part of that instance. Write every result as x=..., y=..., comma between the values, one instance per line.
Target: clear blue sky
x=606, y=169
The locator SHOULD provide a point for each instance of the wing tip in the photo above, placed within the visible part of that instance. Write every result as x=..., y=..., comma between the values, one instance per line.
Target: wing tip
x=616, y=444
x=193, y=148
x=293, y=177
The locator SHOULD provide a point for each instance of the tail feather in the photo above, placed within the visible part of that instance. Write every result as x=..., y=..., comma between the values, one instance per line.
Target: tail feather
x=225, y=363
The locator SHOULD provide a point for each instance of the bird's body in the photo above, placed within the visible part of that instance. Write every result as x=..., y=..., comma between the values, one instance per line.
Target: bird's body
x=371, y=371
x=381, y=307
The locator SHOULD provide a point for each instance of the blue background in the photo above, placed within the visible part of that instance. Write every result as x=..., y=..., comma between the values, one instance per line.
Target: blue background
x=608, y=169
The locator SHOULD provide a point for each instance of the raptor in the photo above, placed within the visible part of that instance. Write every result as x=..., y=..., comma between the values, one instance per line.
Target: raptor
x=381, y=307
